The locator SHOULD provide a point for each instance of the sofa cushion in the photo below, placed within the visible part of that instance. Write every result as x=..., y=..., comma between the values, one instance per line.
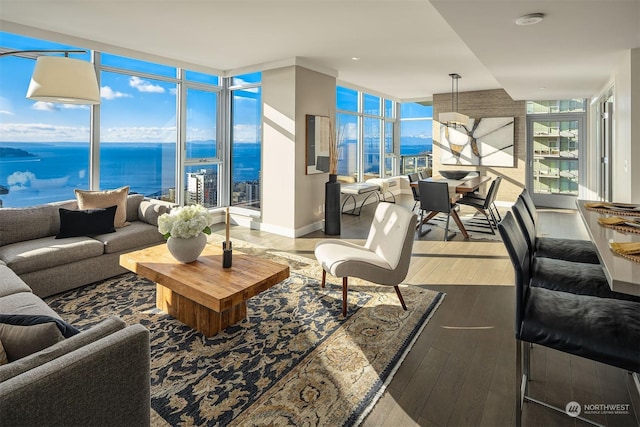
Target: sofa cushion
x=38, y=254
x=23, y=335
x=99, y=331
x=88, y=222
x=10, y=283
x=134, y=236
x=133, y=203
x=25, y=303
x=104, y=199
x=21, y=224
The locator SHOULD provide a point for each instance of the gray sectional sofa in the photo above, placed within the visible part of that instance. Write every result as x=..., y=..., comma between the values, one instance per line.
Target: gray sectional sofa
x=49, y=266
x=96, y=377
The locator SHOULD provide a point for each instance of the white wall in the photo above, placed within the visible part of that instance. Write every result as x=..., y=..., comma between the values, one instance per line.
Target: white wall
x=626, y=144
x=292, y=202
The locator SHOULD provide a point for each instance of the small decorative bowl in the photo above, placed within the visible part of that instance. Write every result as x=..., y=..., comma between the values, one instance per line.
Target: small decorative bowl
x=457, y=174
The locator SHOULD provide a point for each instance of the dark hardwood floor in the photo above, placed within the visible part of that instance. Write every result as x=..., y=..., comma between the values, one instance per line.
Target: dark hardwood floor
x=461, y=370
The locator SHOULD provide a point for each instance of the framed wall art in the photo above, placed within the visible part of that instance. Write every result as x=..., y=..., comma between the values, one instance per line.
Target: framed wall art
x=317, y=144
x=484, y=142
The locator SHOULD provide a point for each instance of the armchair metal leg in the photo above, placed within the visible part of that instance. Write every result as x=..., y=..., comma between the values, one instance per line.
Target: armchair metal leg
x=344, y=296
x=400, y=297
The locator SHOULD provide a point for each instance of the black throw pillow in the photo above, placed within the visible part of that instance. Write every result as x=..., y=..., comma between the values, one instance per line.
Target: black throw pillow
x=89, y=222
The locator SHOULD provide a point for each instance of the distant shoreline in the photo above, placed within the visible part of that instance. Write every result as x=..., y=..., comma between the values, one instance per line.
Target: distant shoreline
x=13, y=153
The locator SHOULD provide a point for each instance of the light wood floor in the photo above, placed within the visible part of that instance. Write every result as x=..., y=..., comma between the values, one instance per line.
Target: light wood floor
x=461, y=370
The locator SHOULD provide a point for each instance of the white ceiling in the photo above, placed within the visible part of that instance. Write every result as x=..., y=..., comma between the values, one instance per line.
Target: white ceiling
x=406, y=48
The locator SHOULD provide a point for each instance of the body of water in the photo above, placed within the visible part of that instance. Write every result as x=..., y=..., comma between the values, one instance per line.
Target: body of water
x=148, y=168
x=59, y=168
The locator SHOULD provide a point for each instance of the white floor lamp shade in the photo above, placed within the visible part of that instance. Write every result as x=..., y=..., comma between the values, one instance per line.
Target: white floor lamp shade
x=64, y=80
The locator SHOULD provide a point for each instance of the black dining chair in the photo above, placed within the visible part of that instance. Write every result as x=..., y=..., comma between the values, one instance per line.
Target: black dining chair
x=560, y=272
x=602, y=329
x=551, y=247
x=435, y=199
x=481, y=197
x=414, y=177
x=485, y=205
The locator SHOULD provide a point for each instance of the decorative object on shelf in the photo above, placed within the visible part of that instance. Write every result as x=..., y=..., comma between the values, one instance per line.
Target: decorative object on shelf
x=453, y=118
x=61, y=79
x=185, y=229
x=227, y=249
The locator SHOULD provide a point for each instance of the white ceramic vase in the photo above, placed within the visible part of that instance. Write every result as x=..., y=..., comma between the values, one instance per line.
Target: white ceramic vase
x=187, y=250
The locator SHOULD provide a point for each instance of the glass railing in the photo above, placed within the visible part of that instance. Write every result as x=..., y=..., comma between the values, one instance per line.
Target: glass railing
x=415, y=163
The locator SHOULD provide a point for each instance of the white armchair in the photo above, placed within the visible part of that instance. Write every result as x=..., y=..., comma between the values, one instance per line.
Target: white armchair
x=384, y=258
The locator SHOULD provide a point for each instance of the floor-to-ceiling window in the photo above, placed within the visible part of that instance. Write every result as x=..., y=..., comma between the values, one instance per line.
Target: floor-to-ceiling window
x=365, y=135
x=416, y=129
x=246, y=140
x=138, y=133
x=44, y=147
x=160, y=128
x=203, y=161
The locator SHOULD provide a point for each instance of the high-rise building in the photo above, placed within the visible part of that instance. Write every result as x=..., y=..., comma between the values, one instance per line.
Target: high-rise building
x=202, y=188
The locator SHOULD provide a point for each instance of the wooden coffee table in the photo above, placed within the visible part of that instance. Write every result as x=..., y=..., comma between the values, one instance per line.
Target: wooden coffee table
x=202, y=294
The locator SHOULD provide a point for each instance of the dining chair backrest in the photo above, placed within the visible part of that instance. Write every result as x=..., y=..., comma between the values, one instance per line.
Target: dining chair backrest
x=526, y=224
x=434, y=196
x=414, y=177
x=518, y=251
x=492, y=193
x=528, y=202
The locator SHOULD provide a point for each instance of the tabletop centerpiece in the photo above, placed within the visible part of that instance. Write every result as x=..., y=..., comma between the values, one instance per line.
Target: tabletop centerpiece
x=185, y=229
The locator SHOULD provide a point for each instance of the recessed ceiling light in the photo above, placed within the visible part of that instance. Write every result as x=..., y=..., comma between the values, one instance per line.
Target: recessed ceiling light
x=530, y=19
x=355, y=58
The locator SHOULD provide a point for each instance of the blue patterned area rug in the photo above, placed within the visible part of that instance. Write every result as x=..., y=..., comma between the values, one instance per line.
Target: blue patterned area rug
x=293, y=361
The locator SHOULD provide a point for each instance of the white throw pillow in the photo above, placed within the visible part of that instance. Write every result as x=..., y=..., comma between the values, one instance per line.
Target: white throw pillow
x=104, y=199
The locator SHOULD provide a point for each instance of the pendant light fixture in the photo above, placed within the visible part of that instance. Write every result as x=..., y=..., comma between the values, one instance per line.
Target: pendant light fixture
x=61, y=79
x=453, y=118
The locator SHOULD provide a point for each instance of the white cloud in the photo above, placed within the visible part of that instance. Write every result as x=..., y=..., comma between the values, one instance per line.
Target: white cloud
x=139, y=134
x=45, y=106
x=6, y=107
x=20, y=180
x=349, y=131
x=144, y=85
x=107, y=93
x=8, y=113
x=42, y=132
x=246, y=133
x=74, y=107
x=51, y=106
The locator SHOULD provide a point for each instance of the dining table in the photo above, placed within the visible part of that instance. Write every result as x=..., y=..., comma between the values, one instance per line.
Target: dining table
x=622, y=273
x=457, y=189
x=459, y=186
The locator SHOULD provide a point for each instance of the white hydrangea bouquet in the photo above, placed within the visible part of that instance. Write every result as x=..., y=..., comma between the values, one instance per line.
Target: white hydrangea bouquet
x=185, y=222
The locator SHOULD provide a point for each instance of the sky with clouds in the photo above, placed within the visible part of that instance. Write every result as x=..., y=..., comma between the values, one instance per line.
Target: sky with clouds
x=133, y=109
